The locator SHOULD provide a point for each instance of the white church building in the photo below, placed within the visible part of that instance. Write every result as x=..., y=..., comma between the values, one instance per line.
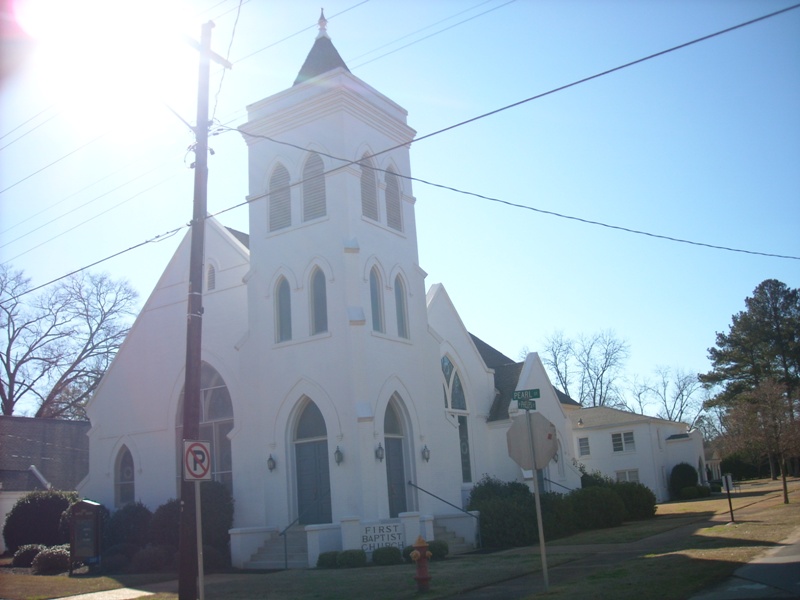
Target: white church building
x=337, y=394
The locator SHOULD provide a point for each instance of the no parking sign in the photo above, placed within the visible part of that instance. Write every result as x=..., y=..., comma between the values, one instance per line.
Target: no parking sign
x=196, y=460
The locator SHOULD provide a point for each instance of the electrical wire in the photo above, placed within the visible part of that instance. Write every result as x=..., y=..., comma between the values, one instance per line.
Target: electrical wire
x=227, y=57
x=31, y=130
x=484, y=115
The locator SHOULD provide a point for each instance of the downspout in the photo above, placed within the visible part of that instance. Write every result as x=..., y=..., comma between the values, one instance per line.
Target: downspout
x=40, y=477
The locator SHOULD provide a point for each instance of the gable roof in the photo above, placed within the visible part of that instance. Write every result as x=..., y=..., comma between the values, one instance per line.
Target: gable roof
x=58, y=449
x=603, y=416
x=243, y=238
x=322, y=58
x=491, y=356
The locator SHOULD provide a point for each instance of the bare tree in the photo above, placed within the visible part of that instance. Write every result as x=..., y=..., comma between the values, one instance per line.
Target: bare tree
x=759, y=423
x=676, y=393
x=639, y=392
x=600, y=358
x=594, y=361
x=558, y=356
x=58, y=345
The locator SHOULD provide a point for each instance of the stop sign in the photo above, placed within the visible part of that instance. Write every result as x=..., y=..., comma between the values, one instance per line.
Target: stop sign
x=545, y=441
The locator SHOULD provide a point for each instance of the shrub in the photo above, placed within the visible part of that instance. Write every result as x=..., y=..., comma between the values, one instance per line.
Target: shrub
x=387, y=555
x=126, y=550
x=558, y=516
x=35, y=517
x=639, y=500
x=217, y=507
x=328, y=560
x=438, y=549
x=595, y=478
x=682, y=475
x=115, y=563
x=715, y=488
x=351, y=558
x=704, y=491
x=215, y=559
x=150, y=559
x=690, y=492
x=51, y=560
x=165, y=524
x=508, y=513
x=129, y=525
x=597, y=507
x=23, y=557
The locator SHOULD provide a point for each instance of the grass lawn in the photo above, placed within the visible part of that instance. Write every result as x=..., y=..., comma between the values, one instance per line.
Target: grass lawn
x=676, y=569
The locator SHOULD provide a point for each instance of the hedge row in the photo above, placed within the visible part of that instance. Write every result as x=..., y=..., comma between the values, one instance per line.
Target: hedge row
x=508, y=509
x=134, y=538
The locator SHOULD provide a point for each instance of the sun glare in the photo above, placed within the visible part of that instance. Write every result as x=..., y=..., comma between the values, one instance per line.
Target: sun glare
x=110, y=66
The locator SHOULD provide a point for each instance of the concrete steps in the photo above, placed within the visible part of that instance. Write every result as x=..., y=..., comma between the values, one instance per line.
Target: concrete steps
x=271, y=554
x=456, y=544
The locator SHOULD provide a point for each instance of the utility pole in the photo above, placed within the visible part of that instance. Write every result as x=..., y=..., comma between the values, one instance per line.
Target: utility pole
x=187, y=579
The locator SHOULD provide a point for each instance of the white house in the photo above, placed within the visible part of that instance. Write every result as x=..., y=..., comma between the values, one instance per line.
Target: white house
x=630, y=447
x=337, y=394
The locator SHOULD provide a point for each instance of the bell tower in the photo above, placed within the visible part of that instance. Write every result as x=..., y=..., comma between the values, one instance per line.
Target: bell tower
x=336, y=297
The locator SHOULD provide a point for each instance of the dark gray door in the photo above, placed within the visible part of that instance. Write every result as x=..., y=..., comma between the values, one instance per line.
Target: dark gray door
x=396, y=476
x=313, y=482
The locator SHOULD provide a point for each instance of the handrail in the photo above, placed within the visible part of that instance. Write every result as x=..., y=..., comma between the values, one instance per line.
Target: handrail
x=286, y=541
x=477, y=517
x=559, y=485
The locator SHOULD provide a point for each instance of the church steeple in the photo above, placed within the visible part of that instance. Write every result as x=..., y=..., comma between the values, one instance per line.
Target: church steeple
x=323, y=56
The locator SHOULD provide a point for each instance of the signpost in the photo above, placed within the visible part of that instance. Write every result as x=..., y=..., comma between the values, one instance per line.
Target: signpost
x=197, y=468
x=527, y=458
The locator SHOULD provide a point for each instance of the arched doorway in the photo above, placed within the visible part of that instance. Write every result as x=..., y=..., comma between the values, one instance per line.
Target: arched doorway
x=311, y=460
x=395, y=460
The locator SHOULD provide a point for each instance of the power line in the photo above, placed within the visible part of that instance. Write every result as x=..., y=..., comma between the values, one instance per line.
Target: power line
x=227, y=57
x=31, y=130
x=434, y=133
x=68, y=154
x=501, y=201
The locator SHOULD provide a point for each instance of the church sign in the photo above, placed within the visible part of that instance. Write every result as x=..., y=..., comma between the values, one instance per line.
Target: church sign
x=378, y=536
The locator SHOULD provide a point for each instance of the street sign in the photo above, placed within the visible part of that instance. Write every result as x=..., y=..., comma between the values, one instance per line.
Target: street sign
x=196, y=460
x=525, y=399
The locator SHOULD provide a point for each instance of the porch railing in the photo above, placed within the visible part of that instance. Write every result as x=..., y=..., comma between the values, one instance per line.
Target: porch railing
x=476, y=517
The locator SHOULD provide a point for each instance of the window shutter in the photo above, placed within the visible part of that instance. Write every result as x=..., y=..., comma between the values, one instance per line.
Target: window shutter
x=313, y=189
x=394, y=216
x=280, y=206
x=369, y=190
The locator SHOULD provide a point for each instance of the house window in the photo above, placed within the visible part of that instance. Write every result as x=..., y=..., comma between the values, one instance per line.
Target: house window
x=319, y=303
x=623, y=442
x=211, y=278
x=376, y=300
x=400, y=306
x=394, y=216
x=283, y=311
x=313, y=188
x=369, y=190
x=124, y=479
x=631, y=475
x=583, y=446
x=280, y=199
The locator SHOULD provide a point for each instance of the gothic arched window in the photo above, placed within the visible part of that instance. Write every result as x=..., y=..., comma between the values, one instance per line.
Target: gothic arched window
x=394, y=211
x=319, y=303
x=124, y=479
x=400, y=307
x=376, y=300
x=369, y=190
x=283, y=311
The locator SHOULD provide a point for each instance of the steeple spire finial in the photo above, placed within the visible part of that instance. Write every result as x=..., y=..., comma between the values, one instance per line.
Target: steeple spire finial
x=323, y=24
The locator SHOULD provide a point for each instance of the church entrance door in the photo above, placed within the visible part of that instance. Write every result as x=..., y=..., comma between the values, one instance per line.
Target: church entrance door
x=396, y=476
x=313, y=474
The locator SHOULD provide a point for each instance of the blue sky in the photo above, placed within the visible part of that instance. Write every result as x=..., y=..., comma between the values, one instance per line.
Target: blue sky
x=701, y=144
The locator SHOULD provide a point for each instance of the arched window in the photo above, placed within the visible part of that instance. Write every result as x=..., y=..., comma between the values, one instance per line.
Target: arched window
x=369, y=190
x=313, y=188
x=211, y=278
x=394, y=215
x=124, y=479
x=216, y=422
x=400, y=307
x=376, y=300
x=312, y=467
x=456, y=400
x=283, y=311
x=280, y=199
x=319, y=303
